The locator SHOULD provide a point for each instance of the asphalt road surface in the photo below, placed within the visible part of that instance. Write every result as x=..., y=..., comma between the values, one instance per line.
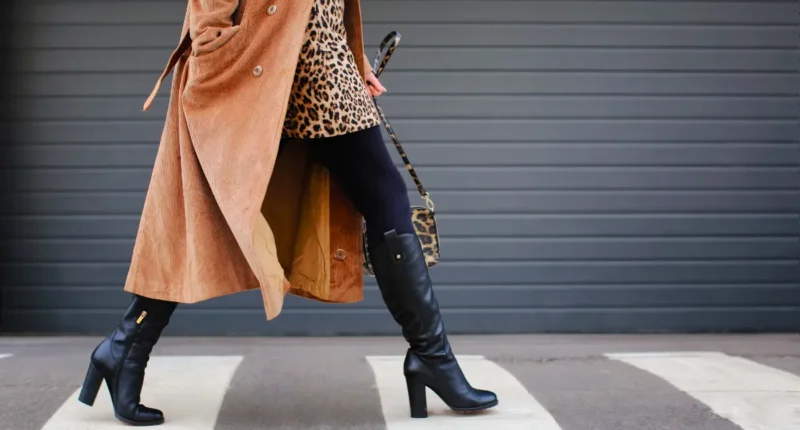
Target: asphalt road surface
x=658, y=382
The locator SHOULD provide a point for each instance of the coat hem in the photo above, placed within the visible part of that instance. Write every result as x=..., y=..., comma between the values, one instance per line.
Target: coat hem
x=171, y=296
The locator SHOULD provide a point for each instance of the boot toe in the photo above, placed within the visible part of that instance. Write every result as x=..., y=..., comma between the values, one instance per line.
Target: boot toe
x=149, y=415
x=480, y=400
x=143, y=416
x=486, y=399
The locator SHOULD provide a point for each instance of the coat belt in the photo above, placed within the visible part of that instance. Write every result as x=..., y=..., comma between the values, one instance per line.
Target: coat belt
x=185, y=44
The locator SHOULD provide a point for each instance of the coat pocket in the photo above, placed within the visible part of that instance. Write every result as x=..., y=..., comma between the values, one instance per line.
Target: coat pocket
x=218, y=49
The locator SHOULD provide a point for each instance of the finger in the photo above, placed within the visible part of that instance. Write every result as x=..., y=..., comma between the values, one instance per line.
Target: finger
x=374, y=86
x=376, y=83
x=374, y=91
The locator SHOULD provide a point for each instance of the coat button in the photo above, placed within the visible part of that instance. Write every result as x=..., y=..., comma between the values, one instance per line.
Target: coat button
x=258, y=71
x=272, y=9
x=340, y=254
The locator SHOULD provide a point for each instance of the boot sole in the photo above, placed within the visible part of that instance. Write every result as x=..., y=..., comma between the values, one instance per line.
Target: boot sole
x=475, y=409
x=139, y=423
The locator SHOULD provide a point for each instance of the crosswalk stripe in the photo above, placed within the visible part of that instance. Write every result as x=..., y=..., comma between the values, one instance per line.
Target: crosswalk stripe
x=749, y=394
x=517, y=409
x=189, y=390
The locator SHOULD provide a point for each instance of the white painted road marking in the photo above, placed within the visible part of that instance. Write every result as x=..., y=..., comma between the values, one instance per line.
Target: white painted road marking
x=189, y=390
x=2, y=356
x=517, y=409
x=751, y=395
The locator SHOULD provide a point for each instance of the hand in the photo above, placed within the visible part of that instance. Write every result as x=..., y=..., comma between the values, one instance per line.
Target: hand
x=374, y=85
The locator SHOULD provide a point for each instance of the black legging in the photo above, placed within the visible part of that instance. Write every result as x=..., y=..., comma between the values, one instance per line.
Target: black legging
x=360, y=163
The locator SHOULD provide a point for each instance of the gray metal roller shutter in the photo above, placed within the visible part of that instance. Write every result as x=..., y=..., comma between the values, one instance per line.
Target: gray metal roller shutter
x=598, y=166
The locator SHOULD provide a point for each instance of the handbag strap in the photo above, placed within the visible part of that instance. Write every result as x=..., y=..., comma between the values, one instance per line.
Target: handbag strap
x=388, y=45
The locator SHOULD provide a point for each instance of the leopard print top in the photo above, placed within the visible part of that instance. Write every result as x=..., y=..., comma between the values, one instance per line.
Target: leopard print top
x=328, y=96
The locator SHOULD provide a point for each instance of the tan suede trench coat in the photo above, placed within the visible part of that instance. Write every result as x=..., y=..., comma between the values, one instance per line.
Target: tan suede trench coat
x=222, y=214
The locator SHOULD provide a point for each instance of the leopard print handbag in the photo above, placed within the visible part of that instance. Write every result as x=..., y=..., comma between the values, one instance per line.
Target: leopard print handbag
x=423, y=218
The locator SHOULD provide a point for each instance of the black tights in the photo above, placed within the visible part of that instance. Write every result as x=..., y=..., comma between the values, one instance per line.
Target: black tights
x=360, y=163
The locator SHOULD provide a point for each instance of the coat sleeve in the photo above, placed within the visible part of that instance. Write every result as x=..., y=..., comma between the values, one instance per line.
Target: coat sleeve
x=211, y=24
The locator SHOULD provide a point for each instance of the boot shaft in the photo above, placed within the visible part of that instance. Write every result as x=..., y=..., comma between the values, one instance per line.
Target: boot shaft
x=140, y=326
x=407, y=290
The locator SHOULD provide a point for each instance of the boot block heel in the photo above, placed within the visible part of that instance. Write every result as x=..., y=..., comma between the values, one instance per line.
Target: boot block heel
x=416, y=398
x=91, y=385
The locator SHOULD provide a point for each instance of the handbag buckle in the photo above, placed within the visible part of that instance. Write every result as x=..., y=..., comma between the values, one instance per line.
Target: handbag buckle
x=428, y=202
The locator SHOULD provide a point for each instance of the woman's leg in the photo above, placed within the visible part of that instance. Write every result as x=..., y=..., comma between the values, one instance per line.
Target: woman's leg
x=120, y=359
x=361, y=164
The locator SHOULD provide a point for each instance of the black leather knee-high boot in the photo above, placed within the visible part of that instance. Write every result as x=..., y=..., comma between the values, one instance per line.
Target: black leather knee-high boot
x=120, y=359
x=407, y=290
